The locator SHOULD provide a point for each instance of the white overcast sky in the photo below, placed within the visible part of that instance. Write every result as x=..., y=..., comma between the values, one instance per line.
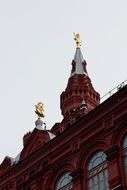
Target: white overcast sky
x=36, y=50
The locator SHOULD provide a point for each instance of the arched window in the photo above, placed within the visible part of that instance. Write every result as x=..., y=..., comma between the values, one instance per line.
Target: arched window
x=64, y=182
x=125, y=156
x=97, y=172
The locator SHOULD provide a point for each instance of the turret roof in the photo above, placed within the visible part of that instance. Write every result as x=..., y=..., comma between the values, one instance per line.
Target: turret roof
x=79, y=66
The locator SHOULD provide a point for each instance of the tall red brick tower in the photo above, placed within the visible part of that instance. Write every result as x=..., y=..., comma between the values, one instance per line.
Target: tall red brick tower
x=79, y=94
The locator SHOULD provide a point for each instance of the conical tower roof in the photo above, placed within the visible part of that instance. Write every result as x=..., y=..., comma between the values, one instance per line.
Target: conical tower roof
x=78, y=64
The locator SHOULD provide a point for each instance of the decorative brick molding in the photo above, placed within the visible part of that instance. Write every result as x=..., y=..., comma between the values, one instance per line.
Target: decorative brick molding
x=77, y=174
x=113, y=168
x=112, y=152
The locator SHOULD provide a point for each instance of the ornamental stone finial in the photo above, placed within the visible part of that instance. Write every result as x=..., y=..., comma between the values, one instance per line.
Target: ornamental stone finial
x=77, y=39
x=39, y=110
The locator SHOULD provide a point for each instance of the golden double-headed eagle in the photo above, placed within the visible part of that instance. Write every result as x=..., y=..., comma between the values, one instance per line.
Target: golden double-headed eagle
x=39, y=109
x=77, y=39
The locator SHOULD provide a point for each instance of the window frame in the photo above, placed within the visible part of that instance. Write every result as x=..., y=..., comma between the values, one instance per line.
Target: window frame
x=97, y=170
x=61, y=179
x=124, y=147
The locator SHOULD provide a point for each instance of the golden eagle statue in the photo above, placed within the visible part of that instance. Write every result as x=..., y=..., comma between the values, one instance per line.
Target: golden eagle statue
x=77, y=39
x=39, y=109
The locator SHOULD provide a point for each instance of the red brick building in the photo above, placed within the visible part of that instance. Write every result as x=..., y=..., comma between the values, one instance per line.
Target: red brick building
x=86, y=151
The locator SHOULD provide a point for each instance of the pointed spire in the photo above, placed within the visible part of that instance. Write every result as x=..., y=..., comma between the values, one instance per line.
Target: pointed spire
x=83, y=104
x=78, y=64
